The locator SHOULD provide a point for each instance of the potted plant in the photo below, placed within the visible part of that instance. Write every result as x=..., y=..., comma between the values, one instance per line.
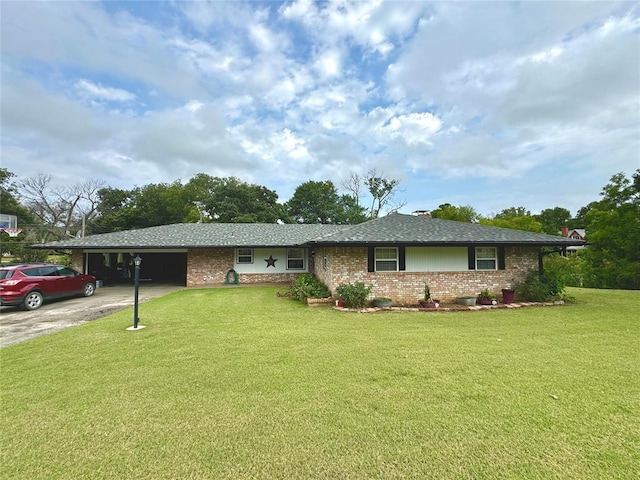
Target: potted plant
x=427, y=301
x=508, y=295
x=382, y=302
x=485, y=297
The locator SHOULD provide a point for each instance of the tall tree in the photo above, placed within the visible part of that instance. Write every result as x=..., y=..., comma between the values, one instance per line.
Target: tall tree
x=613, y=230
x=151, y=205
x=319, y=202
x=518, y=218
x=31, y=229
x=160, y=204
x=230, y=200
x=116, y=211
x=9, y=202
x=553, y=219
x=463, y=213
x=62, y=209
x=382, y=191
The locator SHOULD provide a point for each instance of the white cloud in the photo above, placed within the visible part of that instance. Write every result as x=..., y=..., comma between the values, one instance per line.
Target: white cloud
x=329, y=64
x=373, y=25
x=413, y=128
x=98, y=92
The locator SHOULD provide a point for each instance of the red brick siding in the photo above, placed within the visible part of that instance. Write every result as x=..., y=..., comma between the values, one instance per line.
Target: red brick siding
x=77, y=260
x=337, y=265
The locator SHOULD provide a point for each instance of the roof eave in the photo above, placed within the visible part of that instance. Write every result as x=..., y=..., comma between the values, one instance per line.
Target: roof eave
x=444, y=243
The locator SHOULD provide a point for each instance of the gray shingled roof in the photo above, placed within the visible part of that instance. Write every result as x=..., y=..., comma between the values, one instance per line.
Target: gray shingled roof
x=418, y=230
x=185, y=235
x=394, y=228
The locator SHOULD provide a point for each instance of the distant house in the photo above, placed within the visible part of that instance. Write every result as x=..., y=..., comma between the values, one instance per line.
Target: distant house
x=397, y=254
x=579, y=234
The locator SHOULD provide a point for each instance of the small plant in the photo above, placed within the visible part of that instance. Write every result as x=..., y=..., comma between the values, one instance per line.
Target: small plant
x=427, y=301
x=308, y=286
x=354, y=295
x=487, y=295
x=427, y=292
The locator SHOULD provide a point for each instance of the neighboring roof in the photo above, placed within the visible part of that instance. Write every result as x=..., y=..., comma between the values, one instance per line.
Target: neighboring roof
x=580, y=231
x=194, y=235
x=393, y=229
x=421, y=230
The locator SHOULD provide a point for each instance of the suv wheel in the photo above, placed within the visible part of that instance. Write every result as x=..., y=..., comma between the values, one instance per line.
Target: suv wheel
x=32, y=301
x=88, y=290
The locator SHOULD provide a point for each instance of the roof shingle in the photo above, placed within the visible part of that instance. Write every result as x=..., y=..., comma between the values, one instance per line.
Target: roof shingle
x=393, y=229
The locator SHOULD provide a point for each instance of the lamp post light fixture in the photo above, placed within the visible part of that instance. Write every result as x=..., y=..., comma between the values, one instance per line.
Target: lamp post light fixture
x=136, y=261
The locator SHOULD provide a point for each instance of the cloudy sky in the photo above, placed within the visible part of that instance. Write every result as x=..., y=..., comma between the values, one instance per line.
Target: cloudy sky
x=488, y=104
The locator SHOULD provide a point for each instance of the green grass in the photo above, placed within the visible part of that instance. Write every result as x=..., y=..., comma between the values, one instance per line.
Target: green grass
x=238, y=383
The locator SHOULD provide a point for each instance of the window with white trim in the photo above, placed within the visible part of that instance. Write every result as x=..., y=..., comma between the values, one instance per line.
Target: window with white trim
x=486, y=258
x=295, y=258
x=386, y=259
x=244, y=255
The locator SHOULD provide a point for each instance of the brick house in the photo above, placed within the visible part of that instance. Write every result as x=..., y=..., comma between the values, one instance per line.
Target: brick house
x=397, y=254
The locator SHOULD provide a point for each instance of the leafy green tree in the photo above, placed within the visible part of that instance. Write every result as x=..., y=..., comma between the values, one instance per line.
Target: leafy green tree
x=9, y=201
x=148, y=206
x=314, y=202
x=230, y=200
x=31, y=229
x=160, y=204
x=116, y=211
x=351, y=213
x=613, y=230
x=518, y=218
x=553, y=219
x=463, y=213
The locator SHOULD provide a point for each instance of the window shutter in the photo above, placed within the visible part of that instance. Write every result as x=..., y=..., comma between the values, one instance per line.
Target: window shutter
x=402, y=259
x=371, y=259
x=501, y=259
x=472, y=258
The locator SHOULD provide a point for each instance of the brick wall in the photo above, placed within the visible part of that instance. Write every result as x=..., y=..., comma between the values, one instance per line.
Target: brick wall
x=209, y=266
x=337, y=265
x=77, y=257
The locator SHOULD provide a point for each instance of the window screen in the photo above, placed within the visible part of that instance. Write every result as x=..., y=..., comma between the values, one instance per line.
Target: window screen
x=386, y=259
x=486, y=258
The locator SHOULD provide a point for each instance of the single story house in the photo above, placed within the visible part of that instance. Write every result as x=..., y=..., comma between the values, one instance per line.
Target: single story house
x=397, y=254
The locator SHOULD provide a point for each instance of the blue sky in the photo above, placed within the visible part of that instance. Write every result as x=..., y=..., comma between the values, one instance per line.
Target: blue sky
x=488, y=104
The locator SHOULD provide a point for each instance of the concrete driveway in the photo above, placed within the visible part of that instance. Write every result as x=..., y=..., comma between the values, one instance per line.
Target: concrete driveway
x=18, y=326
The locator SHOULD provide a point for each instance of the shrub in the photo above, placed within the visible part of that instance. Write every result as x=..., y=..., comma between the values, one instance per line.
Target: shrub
x=486, y=295
x=354, y=295
x=573, y=269
x=306, y=285
x=540, y=288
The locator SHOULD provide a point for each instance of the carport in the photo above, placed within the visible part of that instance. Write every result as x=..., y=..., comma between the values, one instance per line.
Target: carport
x=158, y=266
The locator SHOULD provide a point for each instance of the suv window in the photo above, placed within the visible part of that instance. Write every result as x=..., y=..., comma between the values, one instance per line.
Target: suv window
x=40, y=272
x=5, y=274
x=66, y=272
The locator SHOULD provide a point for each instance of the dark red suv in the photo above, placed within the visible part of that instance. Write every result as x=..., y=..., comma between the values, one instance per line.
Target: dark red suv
x=29, y=284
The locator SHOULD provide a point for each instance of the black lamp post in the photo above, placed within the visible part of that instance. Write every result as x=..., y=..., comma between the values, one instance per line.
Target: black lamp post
x=137, y=261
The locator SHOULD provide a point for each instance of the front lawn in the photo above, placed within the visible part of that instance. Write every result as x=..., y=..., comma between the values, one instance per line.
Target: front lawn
x=239, y=383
